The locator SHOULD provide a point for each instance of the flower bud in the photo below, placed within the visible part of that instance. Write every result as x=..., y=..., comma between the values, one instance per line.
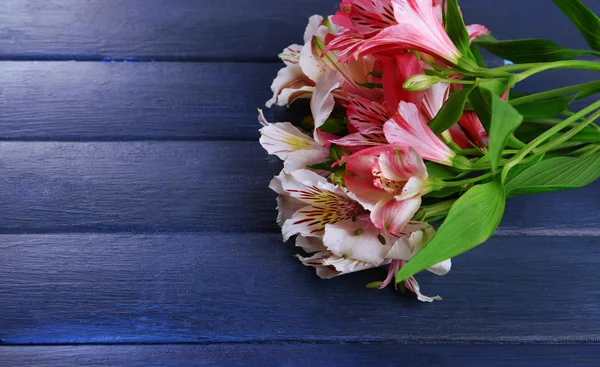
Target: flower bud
x=420, y=82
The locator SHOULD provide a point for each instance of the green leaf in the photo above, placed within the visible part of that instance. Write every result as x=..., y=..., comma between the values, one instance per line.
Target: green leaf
x=505, y=120
x=515, y=171
x=471, y=221
x=584, y=19
x=435, y=170
x=477, y=55
x=334, y=126
x=455, y=27
x=556, y=174
x=529, y=50
x=546, y=108
x=451, y=112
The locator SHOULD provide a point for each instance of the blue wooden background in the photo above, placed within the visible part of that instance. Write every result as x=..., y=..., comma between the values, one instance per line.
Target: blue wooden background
x=137, y=229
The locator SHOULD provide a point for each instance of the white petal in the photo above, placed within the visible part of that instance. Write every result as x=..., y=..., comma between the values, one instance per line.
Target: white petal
x=303, y=158
x=310, y=244
x=282, y=139
x=412, y=285
x=312, y=28
x=289, y=77
x=322, y=101
x=442, y=268
x=329, y=266
x=309, y=64
x=358, y=240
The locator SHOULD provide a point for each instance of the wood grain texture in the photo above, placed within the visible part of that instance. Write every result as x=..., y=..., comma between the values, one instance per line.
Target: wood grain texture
x=223, y=30
x=301, y=355
x=83, y=101
x=194, y=186
x=134, y=101
x=170, y=288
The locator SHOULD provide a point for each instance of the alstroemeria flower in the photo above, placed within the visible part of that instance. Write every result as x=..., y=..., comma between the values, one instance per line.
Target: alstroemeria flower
x=367, y=119
x=389, y=182
x=291, y=145
x=409, y=128
x=418, y=235
x=325, y=203
x=469, y=132
x=345, y=250
x=419, y=28
x=292, y=82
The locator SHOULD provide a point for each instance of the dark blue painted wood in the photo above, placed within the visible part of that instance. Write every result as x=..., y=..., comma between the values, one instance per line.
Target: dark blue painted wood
x=301, y=355
x=82, y=101
x=223, y=30
x=194, y=186
x=162, y=288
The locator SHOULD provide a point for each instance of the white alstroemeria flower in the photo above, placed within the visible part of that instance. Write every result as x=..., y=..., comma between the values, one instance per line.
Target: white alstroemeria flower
x=291, y=145
x=292, y=82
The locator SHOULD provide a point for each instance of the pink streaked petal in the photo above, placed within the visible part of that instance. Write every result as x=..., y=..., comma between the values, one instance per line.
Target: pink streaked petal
x=395, y=267
x=342, y=16
x=471, y=124
x=360, y=140
x=401, y=164
x=459, y=137
x=371, y=16
x=291, y=55
x=396, y=70
x=359, y=180
x=367, y=116
x=409, y=128
x=393, y=215
x=476, y=31
x=419, y=29
x=434, y=99
x=347, y=42
x=358, y=240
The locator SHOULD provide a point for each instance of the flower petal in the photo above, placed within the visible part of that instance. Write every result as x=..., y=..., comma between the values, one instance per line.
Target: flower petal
x=367, y=116
x=393, y=215
x=329, y=266
x=408, y=128
x=396, y=70
x=310, y=244
x=358, y=240
x=413, y=286
x=476, y=31
x=401, y=164
x=322, y=101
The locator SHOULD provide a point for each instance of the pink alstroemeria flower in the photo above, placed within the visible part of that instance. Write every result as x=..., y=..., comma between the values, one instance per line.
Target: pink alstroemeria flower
x=409, y=128
x=419, y=28
x=469, y=132
x=389, y=182
x=367, y=119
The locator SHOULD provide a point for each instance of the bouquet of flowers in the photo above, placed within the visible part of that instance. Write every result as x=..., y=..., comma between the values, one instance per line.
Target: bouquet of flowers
x=408, y=126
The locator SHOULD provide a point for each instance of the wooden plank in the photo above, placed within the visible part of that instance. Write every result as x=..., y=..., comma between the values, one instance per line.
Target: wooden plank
x=82, y=101
x=231, y=355
x=224, y=30
x=171, y=288
x=134, y=101
x=194, y=186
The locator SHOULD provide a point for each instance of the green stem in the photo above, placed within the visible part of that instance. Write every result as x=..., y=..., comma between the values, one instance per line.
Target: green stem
x=466, y=182
x=553, y=93
x=545, y=136
x=568, y=64
x=591, y=151
x=571, y=133
x=435, y=210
